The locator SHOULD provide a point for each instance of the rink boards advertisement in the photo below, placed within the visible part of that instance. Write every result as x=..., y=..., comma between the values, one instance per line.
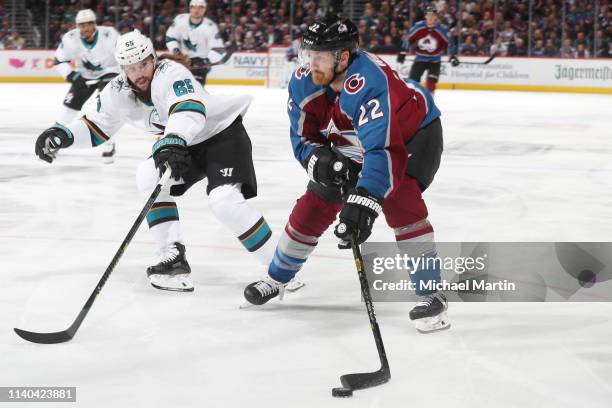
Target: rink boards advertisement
x=527, y=74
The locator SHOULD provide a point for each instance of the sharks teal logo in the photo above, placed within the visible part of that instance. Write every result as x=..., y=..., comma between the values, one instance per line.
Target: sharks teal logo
x=191, y=46
x=92, y=67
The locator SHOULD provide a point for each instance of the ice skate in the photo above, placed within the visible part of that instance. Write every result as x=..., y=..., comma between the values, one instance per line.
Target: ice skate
x=108, y=154
x=172, y=271
x=260, y=292
x=429, y=314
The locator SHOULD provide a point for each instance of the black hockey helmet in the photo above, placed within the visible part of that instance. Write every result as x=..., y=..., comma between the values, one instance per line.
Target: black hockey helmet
x=331, y=33
x=431, y=9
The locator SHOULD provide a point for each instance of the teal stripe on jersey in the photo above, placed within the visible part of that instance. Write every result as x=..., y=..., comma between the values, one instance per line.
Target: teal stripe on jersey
x=191, y=107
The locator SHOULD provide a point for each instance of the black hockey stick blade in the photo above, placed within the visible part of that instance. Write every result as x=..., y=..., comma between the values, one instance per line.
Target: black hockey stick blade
x=359, y=381
x=45, y=338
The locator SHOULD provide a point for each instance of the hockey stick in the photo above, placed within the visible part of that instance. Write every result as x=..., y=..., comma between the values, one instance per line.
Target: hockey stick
x=485, y=62
x=491, y=58
x=358, y=381
x=66, y=335
x=229, y=51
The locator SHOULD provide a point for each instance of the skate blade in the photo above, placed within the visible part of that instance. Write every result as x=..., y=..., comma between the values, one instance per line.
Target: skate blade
x=176, y=283
x=433, y=324
x=294, y=285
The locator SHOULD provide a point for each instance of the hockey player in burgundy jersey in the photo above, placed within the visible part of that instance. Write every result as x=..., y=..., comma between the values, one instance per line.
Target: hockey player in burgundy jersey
x=370, y=143
x=430, y=40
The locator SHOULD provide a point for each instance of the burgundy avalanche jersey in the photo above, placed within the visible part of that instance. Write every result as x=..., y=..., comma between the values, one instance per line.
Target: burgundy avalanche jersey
x=370, y=120
x=430, y=43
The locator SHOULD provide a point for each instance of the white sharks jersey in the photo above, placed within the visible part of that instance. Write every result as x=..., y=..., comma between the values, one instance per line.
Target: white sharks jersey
x=92, y=60
x=178, y=105
x=193, y=40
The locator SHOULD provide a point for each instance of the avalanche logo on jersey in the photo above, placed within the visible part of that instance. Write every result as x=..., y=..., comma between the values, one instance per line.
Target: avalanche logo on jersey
x=354, y=83
x=302, y=71
x=331, y=129
x=90, y=66
x=428, y=43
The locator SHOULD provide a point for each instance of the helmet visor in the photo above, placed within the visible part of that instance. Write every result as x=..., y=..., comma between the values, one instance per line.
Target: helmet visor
x=316, y=60
x=137, y=68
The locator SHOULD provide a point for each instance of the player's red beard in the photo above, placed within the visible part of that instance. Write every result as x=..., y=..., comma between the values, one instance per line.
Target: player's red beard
x=321, y=78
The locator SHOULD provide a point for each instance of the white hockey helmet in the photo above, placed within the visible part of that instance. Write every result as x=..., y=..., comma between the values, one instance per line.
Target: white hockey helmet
x=197, y=3
x=85, y=16
x=133, y=47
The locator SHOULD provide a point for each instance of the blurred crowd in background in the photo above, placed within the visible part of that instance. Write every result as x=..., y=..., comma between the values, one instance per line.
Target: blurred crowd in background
x=549, y=28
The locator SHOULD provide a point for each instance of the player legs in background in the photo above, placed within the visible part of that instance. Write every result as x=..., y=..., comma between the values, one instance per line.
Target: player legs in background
x=200, y=67
x=433, y=73
x=226, y=161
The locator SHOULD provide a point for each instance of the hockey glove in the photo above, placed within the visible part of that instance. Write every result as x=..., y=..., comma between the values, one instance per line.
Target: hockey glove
x=76, y=79
x=200, y=63
x=401, y=57
x=357, y=217
x=327, y=167
x=50, y=141
x=172, y=149
x=453, y=60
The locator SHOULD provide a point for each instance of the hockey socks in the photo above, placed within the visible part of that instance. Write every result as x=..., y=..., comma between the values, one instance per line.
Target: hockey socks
x=229, y=206
x=291, y=252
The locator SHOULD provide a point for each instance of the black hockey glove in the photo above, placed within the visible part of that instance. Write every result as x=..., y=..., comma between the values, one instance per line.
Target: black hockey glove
x=357, y=217
x=76, y=79
x=200, y=63
x=172, y=149
x=327, y=167
x=401, y=57
x=50, y=141
x=453, y=60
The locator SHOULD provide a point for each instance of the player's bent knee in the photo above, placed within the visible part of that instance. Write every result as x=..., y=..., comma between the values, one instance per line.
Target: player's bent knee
x=224, y=199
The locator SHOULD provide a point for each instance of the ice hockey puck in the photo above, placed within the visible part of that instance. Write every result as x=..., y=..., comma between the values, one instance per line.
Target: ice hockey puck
x=342, y=392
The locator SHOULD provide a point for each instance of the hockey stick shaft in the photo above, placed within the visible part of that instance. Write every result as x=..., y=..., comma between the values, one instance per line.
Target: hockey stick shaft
x=488, y=60
x=59, y=337
x=367, y=298
x=229, y=51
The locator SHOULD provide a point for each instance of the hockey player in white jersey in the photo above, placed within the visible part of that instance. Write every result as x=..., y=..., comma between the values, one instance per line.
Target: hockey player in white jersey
x=92, y=49
x=202, y=136
x=195, y=36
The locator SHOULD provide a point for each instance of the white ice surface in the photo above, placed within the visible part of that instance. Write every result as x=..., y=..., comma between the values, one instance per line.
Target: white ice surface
x=517, y=167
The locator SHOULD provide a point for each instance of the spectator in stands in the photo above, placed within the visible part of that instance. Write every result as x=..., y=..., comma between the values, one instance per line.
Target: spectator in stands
x=468, y=47
x=567, y=51
x=517, y=48
x=550, y=50
x=482, y=48
x=538, y=49
x=500, y=47
x=14, y=41
x=582, y=52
